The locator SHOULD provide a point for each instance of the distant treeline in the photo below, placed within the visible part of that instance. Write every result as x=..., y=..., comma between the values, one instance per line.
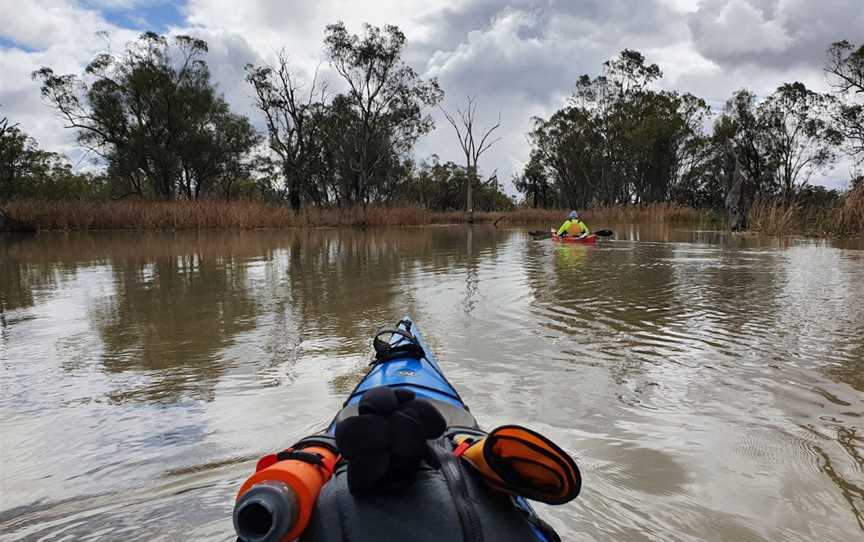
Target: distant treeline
x=153, y=118
x=618, y=141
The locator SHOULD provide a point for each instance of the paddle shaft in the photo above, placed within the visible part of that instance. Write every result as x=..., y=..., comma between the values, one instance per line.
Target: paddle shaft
x=538, y=235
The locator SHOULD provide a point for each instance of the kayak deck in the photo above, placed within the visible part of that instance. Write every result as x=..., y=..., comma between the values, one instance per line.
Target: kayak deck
x=589, y=240
x=423, y=376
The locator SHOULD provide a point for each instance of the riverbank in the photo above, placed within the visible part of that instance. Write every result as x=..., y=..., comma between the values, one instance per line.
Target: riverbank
x=192, y=215
x=843, y=220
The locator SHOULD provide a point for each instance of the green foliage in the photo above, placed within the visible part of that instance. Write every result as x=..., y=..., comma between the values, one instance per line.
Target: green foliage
x=798, y=136
x=155, y=118
x=377, y=121
x=29, y=172
x=534, y=183
x=436, y=185
x=293, y=126
x=444, y=186
x=817, y=196
x=780, y=142
x=845, y=68
x=354, y=148
x=618, y=141
x=740, y=132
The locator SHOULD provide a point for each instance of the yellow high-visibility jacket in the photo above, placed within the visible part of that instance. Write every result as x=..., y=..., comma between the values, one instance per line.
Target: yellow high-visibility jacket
x=573, y=227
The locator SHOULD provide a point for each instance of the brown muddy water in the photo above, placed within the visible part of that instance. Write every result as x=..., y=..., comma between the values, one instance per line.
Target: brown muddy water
x=710, y=386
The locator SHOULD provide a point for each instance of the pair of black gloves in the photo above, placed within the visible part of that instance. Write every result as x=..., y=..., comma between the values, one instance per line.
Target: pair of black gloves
x=386, y=442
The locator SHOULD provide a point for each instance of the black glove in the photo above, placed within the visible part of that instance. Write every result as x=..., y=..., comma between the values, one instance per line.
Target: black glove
x=385, y=443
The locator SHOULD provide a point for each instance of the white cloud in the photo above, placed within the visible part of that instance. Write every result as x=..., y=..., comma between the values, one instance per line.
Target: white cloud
x=54, y=33
x=683, y=6
x=524, y=62
x=773, y=33
x=228, y=54
x=737, y=27
x=270, y=25
x=42, y=24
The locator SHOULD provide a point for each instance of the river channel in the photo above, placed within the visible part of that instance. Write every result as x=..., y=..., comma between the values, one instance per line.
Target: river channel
x=709, y=385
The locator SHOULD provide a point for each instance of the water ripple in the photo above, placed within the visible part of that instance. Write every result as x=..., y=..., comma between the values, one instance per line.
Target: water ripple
x=710, y=386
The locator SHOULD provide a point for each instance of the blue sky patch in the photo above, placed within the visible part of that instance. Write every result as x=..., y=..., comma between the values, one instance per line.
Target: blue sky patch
x=155, y=15
x=7, y=43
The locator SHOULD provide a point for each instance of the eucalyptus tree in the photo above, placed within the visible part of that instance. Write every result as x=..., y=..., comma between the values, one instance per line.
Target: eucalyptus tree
x=153, y=115
x=799, y=139
x=845, y=68
x=533, y=182
x=618, y=140
x=386, y=102
x=292, y=119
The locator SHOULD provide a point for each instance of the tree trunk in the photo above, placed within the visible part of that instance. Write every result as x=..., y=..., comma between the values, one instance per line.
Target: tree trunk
x=739, y=199
x=469, y=206
x=294, y=197
x=470, y=200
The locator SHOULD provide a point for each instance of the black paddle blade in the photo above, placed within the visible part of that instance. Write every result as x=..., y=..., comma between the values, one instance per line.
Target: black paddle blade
x=603, y=233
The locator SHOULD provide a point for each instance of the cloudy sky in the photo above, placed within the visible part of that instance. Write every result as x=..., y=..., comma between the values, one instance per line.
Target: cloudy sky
x=519, y=57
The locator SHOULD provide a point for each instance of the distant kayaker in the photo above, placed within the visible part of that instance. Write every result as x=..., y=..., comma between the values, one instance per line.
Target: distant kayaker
x=573, y=226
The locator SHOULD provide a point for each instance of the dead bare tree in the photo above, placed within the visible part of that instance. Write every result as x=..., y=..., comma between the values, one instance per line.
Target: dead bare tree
x=289, y=114
x=473, y=147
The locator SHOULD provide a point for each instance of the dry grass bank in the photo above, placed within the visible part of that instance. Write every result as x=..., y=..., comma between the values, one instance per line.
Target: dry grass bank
x=779, y=218
x=186, y=215
x=660, y=212
x=597, y=216
x=196, y=215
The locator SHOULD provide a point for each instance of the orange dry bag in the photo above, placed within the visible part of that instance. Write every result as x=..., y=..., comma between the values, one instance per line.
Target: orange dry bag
x=521, y=462
x=275, y=503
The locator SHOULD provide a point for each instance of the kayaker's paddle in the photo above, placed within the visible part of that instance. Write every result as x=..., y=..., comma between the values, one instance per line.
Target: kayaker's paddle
x=538, y=234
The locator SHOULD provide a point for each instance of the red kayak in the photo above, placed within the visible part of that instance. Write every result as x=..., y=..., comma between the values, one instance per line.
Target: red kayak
x=589, y=240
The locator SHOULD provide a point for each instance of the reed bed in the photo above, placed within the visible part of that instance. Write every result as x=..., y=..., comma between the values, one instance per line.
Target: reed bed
x=774, y=218
x=849, y=218
x=846, y=219
x=242, y=215
x=658, y=212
